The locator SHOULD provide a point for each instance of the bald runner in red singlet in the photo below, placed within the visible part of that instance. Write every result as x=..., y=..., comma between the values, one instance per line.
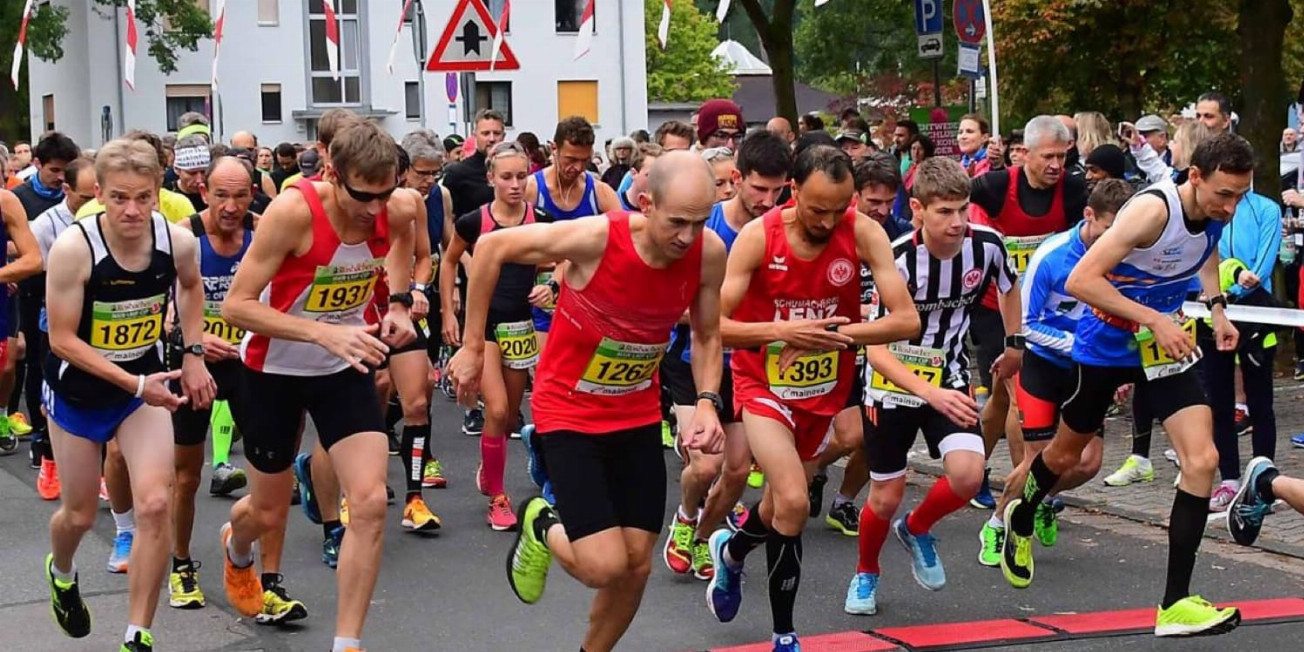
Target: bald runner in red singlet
x=791, y=314
x=627, y=280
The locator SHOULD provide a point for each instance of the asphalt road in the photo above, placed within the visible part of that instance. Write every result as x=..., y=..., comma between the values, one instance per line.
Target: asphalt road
x=448, y=592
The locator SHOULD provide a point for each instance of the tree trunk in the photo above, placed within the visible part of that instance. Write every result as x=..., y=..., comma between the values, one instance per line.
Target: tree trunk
x=776, y=37
x=1262, y=30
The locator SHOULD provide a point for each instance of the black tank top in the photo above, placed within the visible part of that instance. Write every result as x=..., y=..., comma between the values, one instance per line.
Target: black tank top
x=122, y=317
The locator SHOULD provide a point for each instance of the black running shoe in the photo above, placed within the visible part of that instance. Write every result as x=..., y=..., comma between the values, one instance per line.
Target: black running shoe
x=70, y=612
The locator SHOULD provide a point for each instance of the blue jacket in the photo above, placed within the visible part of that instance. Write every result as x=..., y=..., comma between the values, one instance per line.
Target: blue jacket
x=1253, y=237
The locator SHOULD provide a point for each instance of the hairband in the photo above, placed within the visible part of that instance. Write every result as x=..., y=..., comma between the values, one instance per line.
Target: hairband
x=192, y=158
x=197, y=128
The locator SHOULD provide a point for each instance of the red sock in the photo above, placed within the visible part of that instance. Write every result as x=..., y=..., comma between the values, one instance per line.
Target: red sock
x=940, y=501
x=873, y=532
x=493, y=455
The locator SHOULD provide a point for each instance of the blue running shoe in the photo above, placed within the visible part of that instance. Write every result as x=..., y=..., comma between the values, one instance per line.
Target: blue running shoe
x=787, y=643
x=534, y=459
x=1297, y=441
x=984, y=498
x=1247, y=509
x=925, y=565
x=330, y=547
x=307, y=498
x=121, y=551
x=547, y=493
x=862, y=595
x=724, y=594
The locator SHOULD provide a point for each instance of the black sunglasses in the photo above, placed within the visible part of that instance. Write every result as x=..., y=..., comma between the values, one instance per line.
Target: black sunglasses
x=367, y=197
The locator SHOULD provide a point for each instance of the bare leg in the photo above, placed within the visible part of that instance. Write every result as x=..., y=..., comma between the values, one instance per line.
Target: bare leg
x=116, y=479
x=360, y=464
x=146, y=442
x=78, y=500
x=616, y=603
x=189, y=463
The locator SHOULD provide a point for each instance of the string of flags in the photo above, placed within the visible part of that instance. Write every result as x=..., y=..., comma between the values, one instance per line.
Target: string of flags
x=18, y=48
x=217, y=38
x=498, y=34
x=129, y=57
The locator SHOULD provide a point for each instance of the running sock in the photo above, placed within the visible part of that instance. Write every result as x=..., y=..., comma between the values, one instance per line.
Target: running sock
x=686, y=518
x=545, y=520
x=271, y=580
x=126, y=521
x=132, y=630
x=1263, y=485
x=840, y=500
x=783, y=558
x=940, y=501
x=179, y=563
x=65, y=577
x=1186, y=525
x=238, y=560
x=329, y=526
x=223, y=432
x=873, y=532
x=1141, y=442
x=412, y=450
x=493, y=455
x=996, y=520
x=341, y=644
x=1040, y=482
x=752, y=534
x=4, y=412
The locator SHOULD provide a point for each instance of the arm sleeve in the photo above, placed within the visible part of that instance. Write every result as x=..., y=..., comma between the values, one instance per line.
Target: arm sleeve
x=1147, y=159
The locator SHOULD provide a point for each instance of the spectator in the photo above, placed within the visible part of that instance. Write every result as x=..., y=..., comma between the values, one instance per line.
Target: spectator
x=1016, y=152
x=538, y=157
x=287, y=164
x=21, y=158
x=1215, y=111
x=641, y=136
x=780, y=127
x=920, y=150
x=1289, y=141
x=622, y=155
x=972, y=139
x=453, y=148
x=719, y=124
x=905, y=133
x=1093, y=131
x=810, y=122
x=1154, y=130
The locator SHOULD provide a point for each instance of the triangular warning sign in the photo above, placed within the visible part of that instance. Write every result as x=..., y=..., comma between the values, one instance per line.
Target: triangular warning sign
x=468, y=42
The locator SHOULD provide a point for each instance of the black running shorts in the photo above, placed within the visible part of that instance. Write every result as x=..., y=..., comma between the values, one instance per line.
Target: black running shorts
x=190, y=426
x=607, y=481
x=1093, y=392
x=341, y=404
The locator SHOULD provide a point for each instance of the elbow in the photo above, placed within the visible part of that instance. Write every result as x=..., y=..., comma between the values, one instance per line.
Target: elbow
x=232, y=314
x=1076, y=286
x=910, y=325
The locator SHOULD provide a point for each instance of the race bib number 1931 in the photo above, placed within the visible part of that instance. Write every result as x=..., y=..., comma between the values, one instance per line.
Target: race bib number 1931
x=342, y=288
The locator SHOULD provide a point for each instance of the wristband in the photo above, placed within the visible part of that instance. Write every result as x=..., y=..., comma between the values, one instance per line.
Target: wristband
x=419, y=287
x=140, y=385
x=1016, y=342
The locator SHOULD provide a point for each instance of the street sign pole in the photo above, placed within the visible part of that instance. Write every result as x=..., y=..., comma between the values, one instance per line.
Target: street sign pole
x=419, y=36
x=928, y=27
x=937, y=82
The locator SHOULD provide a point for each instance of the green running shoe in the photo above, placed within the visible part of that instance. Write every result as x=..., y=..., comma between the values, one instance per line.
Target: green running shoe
x=66, y=604
x=529, y=558
x=1046, y=525
x=992, y=538
x=1016, y=552
x=1194, y=616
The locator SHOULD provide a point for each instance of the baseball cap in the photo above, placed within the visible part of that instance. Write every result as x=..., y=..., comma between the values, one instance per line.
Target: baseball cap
x=452, y=142
x=1151, y=122
x=309, y=162
x=851, y=134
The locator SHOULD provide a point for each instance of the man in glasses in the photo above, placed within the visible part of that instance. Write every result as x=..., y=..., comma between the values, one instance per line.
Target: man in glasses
x=720, y=124
x=1214, y=110
x=316, y=263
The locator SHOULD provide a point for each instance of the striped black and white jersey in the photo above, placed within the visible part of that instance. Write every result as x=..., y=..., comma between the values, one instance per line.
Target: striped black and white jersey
x=944, y=292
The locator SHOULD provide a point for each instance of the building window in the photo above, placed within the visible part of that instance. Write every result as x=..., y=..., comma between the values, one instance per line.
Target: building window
x=495, y=95
x=269, y=12
x=412, y=100
x=578, y=98
x=47, y=112
x=570, y=14
x=271, y=102
x=324, y=90
x=182, y=98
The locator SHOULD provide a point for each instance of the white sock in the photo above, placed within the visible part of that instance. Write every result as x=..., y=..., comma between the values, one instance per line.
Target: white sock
x=996, y=522
x=4, y=412
x=840, y=500
x=61, y=575
x=1243, y=408
x=1234, y=484
x=237, y=559
x=685, y=517
x=131, y=632
x=342, y=644
x=126, y=521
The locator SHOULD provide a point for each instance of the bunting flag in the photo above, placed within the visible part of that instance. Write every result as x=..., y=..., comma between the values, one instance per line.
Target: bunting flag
x=393, y=47
x=587, y=25
x=332, y=38
x=663, y=30
x=18, y=48
x=217, y=38
x=129, y=63
x=820, y=3
x=722, y=11
x=498, y=34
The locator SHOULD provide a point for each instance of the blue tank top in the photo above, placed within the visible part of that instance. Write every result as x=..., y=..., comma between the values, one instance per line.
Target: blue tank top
x=588, y=201
x=716, y=222
x=435, y=216
x=217, y=270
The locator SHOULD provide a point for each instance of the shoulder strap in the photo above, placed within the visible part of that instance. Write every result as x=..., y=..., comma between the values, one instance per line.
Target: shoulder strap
x=249, y=221
x=197, y=225
x=486, y=220
x=310, y=195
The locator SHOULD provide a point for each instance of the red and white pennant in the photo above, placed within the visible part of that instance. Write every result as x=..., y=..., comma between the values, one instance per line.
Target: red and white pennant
x=129, y=57
x=18, y=48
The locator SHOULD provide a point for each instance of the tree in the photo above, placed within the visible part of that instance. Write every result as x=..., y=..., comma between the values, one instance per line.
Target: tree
x=1262, y=32
x=685, y=71
x=775, y=28
x=168, y=26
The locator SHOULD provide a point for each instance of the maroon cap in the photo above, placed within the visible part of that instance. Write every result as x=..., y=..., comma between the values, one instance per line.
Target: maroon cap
x=718, y=114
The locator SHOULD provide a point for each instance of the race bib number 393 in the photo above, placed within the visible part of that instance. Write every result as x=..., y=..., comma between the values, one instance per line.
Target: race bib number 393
x=619, y=368
x=125, y=330
x=811, y=375
x=341, y=288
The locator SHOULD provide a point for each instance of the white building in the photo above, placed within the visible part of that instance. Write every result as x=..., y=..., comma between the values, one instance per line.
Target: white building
x=275, y=82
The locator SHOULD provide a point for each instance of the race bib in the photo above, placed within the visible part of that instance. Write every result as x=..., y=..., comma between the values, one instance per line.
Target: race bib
x=921, y=361
x=1020, y=249
x=342, y=288
x=1155, y=362
x=126, y=330
x=216, y=326
x=542, y=279
x=811, y=375
x=619, y=368
x=519, y=346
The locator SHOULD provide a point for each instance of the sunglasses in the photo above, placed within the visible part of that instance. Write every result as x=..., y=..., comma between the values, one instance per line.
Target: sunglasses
x=714, y=154
x=367, y=197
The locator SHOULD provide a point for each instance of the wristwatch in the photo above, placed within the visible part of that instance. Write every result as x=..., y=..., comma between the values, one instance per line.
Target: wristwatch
x=1216, y=300
x=714, y=399
x=1016, y=342
x=404, y=298
x=195, y=349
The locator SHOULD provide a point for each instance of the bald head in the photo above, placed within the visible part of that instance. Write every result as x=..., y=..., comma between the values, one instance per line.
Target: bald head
x=779, y=126
x=244, y=140
x=228, y=190
x=681, y=178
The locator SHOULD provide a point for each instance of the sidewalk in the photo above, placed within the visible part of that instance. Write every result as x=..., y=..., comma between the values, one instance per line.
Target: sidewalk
x=1283, y=532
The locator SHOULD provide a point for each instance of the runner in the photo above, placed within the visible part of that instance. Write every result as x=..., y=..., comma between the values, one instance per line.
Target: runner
x=719, y=479
x=23, y=266
x=800, y=308
x=1050, y=315
x=1135, y=278
x=513, y=348
x=628, y=280
x=105, y=376
x=310, y=346
x=923, y=384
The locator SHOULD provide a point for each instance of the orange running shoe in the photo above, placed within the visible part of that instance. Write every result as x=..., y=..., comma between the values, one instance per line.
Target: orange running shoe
x=243, y=589
x=47, y=480
x=500, y=516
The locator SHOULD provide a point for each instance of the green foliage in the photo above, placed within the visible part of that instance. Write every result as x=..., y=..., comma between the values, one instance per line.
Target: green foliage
x=167, y=26
x=685, y=71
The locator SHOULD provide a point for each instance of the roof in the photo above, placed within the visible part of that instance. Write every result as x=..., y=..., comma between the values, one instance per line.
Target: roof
x=740, y=60
x=755, y=95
